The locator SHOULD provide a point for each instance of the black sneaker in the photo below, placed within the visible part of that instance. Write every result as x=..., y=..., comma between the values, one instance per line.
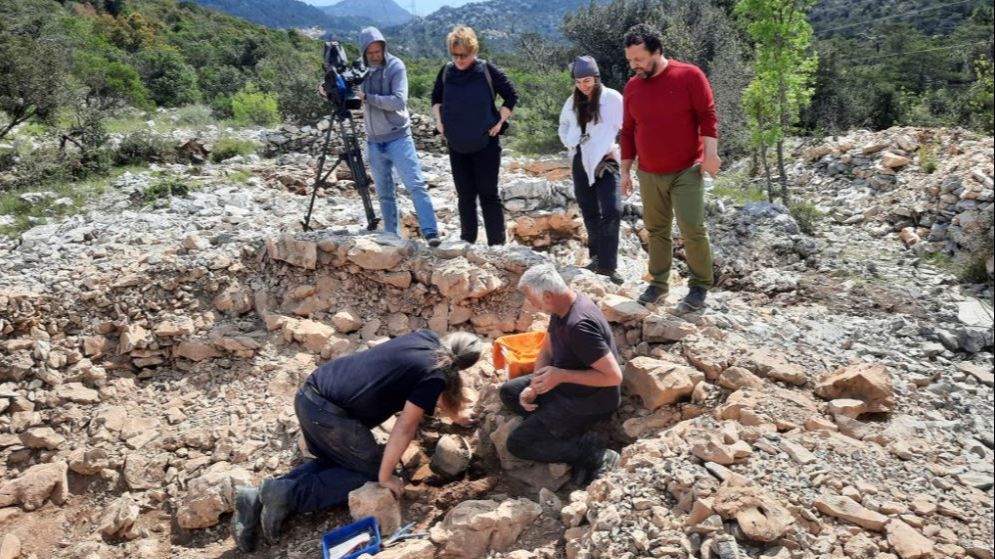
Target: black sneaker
x=434, y=241
x=652, y=295
x=693, y=301
x=612, y=276
x=593, y=265
x=579, y=474
x=275, y=497
x=609, y=461
x=245, y=521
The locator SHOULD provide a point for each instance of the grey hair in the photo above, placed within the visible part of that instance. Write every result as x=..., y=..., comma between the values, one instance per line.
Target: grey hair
x=543, y=279
x=458, y=351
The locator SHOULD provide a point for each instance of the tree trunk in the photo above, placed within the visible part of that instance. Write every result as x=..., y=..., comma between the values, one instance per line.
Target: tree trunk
x=15, y=119
x=770, y=186
x=784, y=175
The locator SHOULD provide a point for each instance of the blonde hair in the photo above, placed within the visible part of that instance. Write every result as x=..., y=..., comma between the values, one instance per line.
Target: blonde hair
x=463, y=36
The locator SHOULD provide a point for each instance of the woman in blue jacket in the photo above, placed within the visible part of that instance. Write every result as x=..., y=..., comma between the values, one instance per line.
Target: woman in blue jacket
x=463, y=103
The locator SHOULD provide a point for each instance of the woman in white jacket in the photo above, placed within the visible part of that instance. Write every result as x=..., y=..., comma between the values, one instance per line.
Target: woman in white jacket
x=589, y=124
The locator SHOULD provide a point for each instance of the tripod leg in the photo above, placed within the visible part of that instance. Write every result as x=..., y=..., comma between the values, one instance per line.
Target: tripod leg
x=319, y=178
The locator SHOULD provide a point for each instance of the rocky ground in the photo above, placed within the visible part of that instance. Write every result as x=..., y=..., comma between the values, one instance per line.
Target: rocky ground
x=834, y=400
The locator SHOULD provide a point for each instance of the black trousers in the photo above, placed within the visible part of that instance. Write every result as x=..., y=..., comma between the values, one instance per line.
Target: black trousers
x=601, y=207
x=553, y=432
x=476, y=176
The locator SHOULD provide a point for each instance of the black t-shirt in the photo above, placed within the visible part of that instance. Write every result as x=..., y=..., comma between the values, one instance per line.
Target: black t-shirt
x=374, y=384
x=579, y=339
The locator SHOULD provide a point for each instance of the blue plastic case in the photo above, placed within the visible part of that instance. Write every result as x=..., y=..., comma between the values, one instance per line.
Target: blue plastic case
x=342, y=534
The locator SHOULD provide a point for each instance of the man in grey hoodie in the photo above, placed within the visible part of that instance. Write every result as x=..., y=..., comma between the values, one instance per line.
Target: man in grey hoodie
x=388, y=132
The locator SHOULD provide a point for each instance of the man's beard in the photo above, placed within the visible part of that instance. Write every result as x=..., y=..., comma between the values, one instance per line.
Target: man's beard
x=648, y=74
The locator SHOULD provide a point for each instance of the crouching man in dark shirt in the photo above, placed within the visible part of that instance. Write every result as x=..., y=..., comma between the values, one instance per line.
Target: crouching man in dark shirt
x=575, y=383
x=336, y=408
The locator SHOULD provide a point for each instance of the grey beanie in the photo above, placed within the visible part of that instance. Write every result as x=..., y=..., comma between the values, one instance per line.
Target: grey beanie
x=584, y=67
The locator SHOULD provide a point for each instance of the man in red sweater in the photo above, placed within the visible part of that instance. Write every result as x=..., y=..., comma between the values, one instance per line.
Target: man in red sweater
x=669, y=124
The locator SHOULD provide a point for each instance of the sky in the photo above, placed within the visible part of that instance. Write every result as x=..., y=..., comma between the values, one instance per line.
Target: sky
x=422, y=7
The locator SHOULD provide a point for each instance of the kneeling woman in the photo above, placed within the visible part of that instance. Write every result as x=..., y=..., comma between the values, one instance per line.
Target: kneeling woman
x=338, y=405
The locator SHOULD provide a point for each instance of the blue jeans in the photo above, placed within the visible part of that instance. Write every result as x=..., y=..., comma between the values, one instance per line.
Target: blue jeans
x=400, y=154
x=347, y=456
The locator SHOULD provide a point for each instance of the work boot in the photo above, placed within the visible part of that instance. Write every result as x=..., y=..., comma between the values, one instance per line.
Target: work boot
x=693, y=301
x=245, y=521
x=652, y=295
x=612, y=276
x=275, y=497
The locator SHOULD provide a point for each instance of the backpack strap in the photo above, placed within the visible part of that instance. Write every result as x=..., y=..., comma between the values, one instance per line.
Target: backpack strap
x=490, y=80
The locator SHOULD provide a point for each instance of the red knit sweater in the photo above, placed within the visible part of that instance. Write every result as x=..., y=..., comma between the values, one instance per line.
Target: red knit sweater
x=665, y=116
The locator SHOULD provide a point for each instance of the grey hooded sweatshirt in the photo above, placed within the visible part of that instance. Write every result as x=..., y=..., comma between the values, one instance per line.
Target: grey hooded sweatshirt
x=385, y=111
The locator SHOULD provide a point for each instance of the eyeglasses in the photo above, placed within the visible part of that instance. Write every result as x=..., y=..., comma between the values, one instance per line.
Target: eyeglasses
x=460, y=55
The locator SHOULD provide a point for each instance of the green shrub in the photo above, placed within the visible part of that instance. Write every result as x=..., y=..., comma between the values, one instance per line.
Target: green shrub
x=230, y=147
x=240, y=177
x=251, y=106
x=806, y=215
x=144, y=147
x=927, y=157
x=165, y=187
x=37, y=168
x=737, y=187
x=194, y=115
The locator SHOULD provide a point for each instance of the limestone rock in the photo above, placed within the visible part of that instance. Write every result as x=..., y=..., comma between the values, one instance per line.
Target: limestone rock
x=302, y=254
x=133, y=337
x=377, y=255
x=373, y=500
x=451, y=456
x=847, y=509
x=735, y=378
x=311, y=334
x=195, y=350
x=867, y=382
x=35, y=485
x=119, y=518
x=658, y=383
x=42, y=437
x=10, y=547
x=761, y=517
x=347, y=321
x=622, y=309
x=211, y=495
x=907, y=542
x=76, y=392
x=665, y=329
x=473, y=528
x=894, y=161
x=410, y=549
x=773, y=366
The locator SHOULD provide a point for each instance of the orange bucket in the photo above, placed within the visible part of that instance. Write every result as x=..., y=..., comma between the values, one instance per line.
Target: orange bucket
x=518, y=352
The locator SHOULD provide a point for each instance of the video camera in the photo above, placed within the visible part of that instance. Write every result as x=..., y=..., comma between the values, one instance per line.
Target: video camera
x=341, y=78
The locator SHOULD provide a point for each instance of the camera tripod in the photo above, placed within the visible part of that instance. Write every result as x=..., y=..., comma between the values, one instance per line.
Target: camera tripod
x=353, y=158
